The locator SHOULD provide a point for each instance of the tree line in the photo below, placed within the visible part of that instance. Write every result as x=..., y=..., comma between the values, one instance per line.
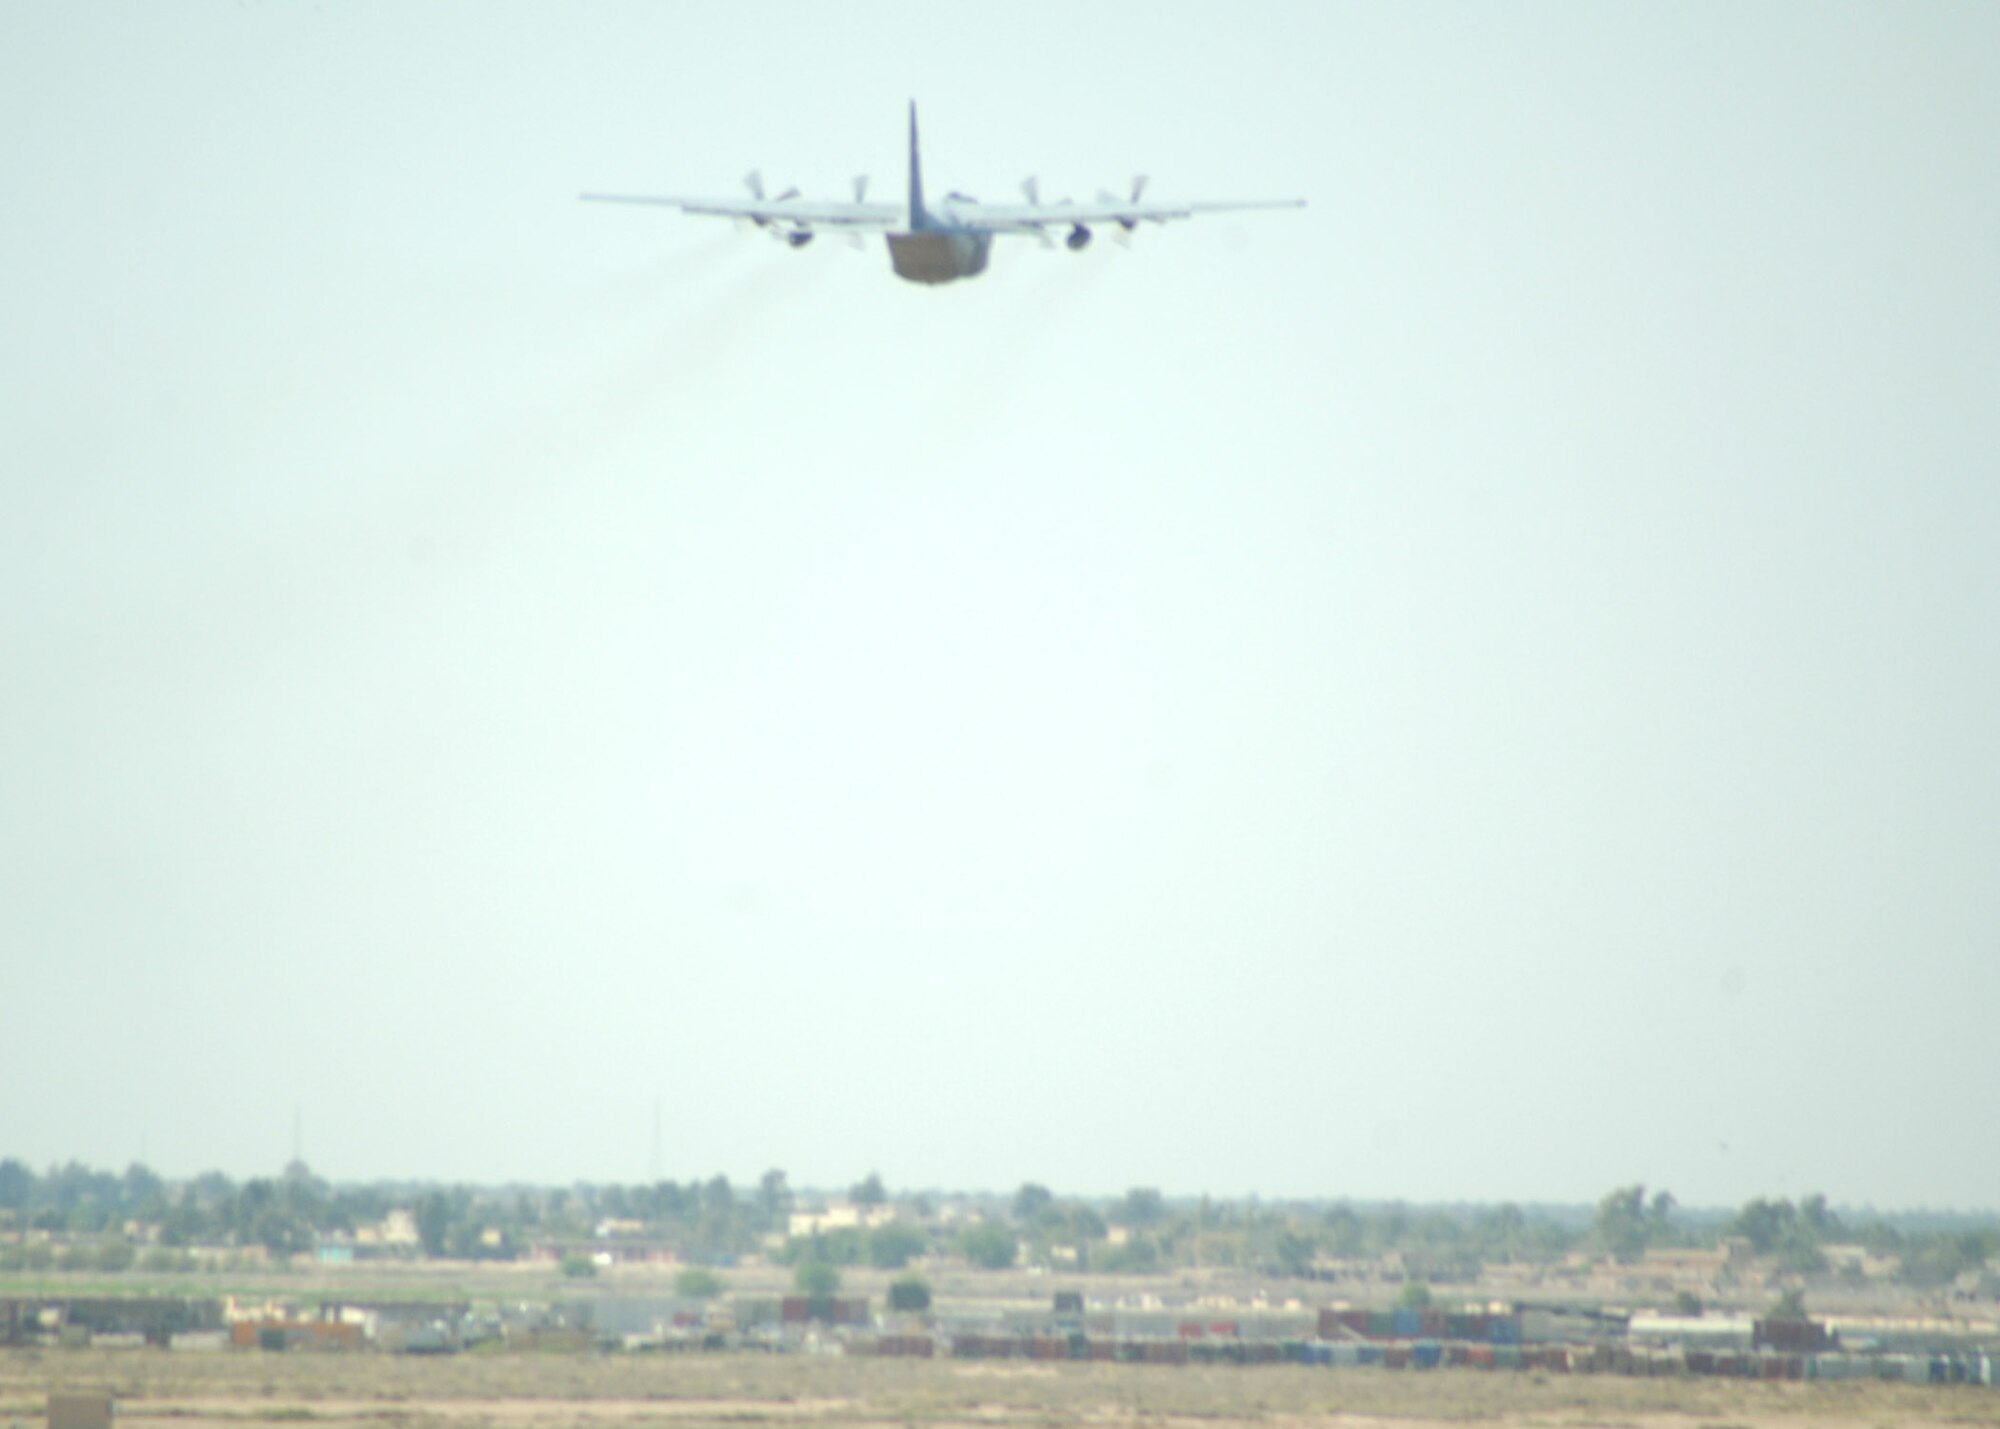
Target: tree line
x=137, y=1219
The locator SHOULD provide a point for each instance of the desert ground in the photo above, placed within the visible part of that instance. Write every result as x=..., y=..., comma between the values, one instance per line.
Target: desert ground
x=157, y=1389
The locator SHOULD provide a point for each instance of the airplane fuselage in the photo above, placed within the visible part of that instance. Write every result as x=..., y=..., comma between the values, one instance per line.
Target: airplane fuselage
x=939, y=255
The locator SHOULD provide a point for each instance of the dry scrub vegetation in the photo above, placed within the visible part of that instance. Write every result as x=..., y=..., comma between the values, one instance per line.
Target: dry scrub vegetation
x=158, y=1390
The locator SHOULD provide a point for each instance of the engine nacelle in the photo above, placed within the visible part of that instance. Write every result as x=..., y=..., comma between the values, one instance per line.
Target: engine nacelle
x=1079, y=239
x=799, y=237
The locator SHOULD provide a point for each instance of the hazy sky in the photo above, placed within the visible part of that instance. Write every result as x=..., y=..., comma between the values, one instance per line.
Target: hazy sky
x=1486, y=688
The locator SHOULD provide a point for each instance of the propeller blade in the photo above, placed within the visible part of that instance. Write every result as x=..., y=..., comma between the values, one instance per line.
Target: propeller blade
x=1032, y=187
x=754, y=181
x=792, y=192
x=861, y=188
x=1139, y=182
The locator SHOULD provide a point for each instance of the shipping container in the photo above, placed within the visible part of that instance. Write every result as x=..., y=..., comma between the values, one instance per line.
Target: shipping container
x=1791, y=1336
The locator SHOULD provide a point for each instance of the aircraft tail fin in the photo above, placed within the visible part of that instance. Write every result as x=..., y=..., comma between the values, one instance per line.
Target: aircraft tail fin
x=918, y=218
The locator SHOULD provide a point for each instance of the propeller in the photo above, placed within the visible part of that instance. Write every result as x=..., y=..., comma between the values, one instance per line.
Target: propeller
x=1127, y=225
x=861, y=188
x=1031, y=189
x=797, y=237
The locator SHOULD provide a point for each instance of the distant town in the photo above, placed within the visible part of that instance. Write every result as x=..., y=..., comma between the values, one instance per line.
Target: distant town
x=1634, y=1284
x=74, y=1219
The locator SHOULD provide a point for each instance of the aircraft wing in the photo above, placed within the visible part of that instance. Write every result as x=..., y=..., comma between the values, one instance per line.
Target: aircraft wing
x=1032, y=217
x=785, y=212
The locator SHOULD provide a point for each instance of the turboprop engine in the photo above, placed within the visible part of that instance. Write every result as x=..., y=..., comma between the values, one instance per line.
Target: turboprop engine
x=1079, y=239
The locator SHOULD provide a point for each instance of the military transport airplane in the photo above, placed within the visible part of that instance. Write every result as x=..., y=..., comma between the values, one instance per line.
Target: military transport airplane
x=944, y=241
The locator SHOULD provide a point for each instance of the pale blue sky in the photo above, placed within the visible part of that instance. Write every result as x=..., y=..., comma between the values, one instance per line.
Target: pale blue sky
x=1484, y=688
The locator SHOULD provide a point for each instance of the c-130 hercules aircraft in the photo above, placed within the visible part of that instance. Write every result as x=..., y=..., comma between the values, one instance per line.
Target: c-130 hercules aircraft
x=940, y=243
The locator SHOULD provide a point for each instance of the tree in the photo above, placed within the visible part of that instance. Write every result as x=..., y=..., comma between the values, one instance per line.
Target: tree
x=989, y=1246
x=696, y=1283
x=910, y=1295
x=578, y=1266
x=869, y=1192
x=718, y=1198
x=815, y=1278
x=774, y=1197
x=1938, y=1258
x=1663, y=1208
x=1620, y=1224
x=893, y=1246
x=1140, y=1206
x=1291, y=1253
x=1415, y=1295
x=212, y=1186
x=433, y=1217
x=1080, y=1223
x=17, y=1185
x=142, y=1185
x=1030, y=1201
x=1823, y=1223
x=1346, y=1233
x=1763, y=1223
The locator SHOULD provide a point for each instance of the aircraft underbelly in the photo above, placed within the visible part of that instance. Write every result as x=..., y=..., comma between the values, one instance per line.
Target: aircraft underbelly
x=938, y=257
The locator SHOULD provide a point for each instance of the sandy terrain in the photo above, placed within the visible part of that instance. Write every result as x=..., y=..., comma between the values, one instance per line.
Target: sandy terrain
x=233, y=1390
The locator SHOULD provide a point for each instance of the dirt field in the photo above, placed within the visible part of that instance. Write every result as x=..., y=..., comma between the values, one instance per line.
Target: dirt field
x=237, y=1390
